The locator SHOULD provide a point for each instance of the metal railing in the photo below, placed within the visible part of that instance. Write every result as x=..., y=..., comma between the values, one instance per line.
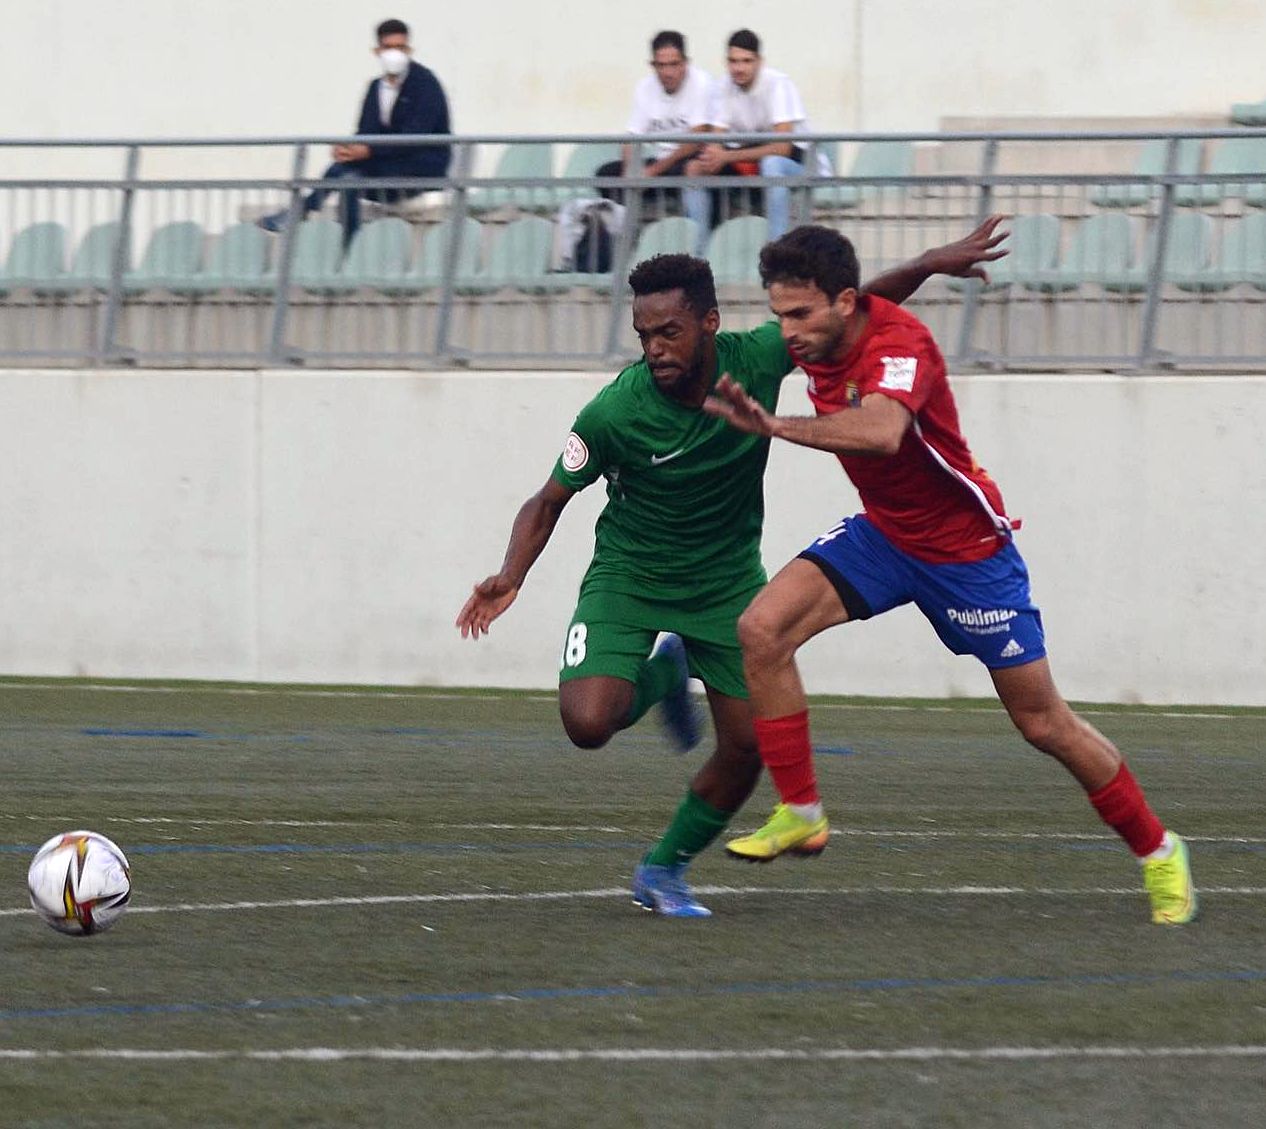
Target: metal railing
x=1160, y=267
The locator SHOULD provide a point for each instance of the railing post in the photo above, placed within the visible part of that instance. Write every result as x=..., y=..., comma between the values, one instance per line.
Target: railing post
x=621, y=254
x=119, y=261
x=1156, y=268
x=281, y=300
x=452, y=254
x=971, y=294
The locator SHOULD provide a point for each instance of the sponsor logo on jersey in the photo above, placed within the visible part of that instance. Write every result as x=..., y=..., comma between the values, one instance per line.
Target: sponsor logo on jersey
x=982, y=621
x=898, y=373
x=575, y=453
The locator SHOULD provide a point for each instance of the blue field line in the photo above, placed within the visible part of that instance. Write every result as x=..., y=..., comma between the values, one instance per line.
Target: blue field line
x=350, y=848
x=650, y=991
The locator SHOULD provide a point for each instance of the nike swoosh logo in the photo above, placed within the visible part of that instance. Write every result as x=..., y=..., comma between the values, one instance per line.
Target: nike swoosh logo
x=656, y=460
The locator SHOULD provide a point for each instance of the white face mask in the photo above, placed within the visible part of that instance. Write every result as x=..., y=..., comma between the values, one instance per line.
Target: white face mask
x=394, y=61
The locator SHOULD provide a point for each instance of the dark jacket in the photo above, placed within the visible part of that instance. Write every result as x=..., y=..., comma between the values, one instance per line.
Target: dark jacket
x=420, y=108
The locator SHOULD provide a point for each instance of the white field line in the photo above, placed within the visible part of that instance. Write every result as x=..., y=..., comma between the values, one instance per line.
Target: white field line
x=194, y=821
x=641, y=1054
x=439, y=695
x=622, y=892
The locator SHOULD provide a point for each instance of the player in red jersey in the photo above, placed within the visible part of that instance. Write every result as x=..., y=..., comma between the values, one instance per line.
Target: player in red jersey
x=934, y=532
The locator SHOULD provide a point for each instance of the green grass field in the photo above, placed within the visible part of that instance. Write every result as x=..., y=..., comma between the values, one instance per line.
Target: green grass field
x=410, y=909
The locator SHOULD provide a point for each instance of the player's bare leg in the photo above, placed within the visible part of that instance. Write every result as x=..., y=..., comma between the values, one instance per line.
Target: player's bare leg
x=1048, y=723
x=799, y=603
x=594, y=709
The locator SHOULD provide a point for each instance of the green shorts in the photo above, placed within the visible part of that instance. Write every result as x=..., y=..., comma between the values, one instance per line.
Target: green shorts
x=611, y=633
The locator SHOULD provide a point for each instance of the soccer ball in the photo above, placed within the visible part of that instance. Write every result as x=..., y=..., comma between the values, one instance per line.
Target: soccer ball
x=79, y=882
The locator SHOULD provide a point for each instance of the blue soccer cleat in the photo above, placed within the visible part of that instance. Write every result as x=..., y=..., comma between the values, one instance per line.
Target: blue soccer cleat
x=678, y=710
x=663, y=890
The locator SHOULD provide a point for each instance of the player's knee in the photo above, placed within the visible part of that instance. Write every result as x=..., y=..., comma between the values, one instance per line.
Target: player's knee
x=1040, y=728
x=761, y=636
x=587, y=728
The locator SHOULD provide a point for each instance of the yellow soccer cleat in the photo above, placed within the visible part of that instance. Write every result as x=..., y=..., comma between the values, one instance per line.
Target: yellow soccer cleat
x=785, y=833
x=1169, y=886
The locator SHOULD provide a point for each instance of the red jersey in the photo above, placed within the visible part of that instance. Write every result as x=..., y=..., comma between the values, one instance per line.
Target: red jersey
x=931, y=499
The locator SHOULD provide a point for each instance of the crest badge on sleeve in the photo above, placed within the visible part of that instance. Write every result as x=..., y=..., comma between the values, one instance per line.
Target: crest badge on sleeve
x=575, y=453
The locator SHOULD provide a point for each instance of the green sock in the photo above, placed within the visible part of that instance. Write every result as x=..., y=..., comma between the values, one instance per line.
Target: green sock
x=694, y=826
x=655, y=678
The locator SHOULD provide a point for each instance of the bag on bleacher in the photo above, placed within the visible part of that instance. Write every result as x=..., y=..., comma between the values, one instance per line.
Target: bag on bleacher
x=585, y=234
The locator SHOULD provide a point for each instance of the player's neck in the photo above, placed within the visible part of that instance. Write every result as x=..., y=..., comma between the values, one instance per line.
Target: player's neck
x=854, y=328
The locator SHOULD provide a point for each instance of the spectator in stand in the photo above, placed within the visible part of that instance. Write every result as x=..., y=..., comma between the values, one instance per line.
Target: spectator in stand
x=675, y=99
x=407, y=99
x=753, y=99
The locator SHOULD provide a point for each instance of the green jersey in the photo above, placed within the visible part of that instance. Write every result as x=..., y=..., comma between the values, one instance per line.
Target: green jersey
x=685, y=501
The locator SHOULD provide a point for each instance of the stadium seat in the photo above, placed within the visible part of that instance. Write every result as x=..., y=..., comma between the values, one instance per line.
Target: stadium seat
x=734, y=250
x=583, y=162
x=671, y=235
x=1187, y=254
x=1244, y=157
x=1241, y=258
x=518, y=258
x=238, y=260
x=37, y=257
x=1034, y=251
x=93, y=262
x=874, y=158
x=1249, y=113
x=317, y=250
x=1151, y=160
x=378, y=256
x=1102, y=246
x=427, y=272
x=531, y=160
x=172, y=257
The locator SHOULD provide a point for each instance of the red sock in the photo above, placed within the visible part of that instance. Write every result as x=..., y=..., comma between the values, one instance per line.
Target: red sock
x=785, y=749
x=1121, y=806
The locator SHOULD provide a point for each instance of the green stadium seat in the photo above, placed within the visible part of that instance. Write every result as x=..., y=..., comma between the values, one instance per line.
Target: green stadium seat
x=36, y=258
x=427, y=272
x=1033, y=248
x=1151, y=160
x=1188, y=253
x=668, y=236
x=318, y=248
x=533, y=160
x=518, y=258
x=582, y=162
x=1244, y=157
x=1249, y=113
x=172, y=257
x=734, y=250
x=874, y=158
x=378, y=257
x=238, y=261
x=93, y=262
x=1102, y=246
x=1241, y=258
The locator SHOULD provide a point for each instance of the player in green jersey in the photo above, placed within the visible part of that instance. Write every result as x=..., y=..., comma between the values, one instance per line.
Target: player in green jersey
x=677, y=547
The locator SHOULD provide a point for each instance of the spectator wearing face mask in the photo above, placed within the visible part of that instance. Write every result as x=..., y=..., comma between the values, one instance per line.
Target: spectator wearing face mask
x=407, y=99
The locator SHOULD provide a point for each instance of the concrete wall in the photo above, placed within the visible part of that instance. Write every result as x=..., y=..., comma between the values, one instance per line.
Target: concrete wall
x=155, y=68
x=327, y=527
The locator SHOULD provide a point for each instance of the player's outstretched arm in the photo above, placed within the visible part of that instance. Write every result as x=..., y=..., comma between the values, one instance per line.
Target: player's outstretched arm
x=963, y=259
x=533, y=526
x=874, y=429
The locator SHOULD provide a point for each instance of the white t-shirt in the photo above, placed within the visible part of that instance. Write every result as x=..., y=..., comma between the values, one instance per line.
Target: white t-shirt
x=388, y=92
x=657, y=111
x=771, y=100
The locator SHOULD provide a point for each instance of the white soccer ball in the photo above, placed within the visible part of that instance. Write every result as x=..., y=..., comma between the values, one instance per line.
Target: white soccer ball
x=80, y=882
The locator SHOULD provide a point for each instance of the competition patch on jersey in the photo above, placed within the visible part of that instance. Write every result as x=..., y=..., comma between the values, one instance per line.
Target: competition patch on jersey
x=898, y=373
x=575, y=453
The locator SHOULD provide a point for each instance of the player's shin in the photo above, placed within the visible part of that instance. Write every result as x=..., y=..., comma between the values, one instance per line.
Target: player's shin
x=1123, y=807
x=694, y=826
x=788, y=755
x=657, y=677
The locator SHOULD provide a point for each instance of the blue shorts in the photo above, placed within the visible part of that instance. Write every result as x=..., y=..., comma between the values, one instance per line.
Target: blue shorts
x=983, y=608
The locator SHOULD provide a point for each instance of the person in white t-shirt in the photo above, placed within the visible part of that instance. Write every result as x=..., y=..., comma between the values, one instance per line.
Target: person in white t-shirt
x=675, y=99
x=753, y=99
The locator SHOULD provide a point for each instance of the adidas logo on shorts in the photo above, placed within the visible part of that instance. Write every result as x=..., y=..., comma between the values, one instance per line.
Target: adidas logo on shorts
x=1011, y=650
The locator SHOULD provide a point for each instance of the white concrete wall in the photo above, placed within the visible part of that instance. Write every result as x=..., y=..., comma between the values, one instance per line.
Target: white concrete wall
x=327, y=527
x=155, y=68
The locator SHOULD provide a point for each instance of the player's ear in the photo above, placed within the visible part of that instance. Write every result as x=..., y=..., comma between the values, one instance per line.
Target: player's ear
x=845, y=302
x=712, y=320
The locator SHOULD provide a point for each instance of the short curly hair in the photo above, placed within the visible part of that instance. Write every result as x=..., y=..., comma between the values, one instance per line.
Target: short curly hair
x=811, y=253
x=662, y=273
